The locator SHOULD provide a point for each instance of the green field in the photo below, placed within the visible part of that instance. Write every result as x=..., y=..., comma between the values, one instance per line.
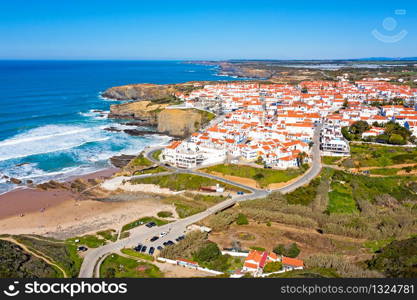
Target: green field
x=263, y=177
x=143, y=221
x=91, y=241
x=134, y=253
x=190, y=204
x=384, y=171
x=365, y=155
x=341, y=200
x=180, y=182
x=116, y=266
x=109, y=234
x=330, y=160
x=156, y=154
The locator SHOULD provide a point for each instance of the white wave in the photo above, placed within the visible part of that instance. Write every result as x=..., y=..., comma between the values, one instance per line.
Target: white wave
x=47, y=139
x=98, y=115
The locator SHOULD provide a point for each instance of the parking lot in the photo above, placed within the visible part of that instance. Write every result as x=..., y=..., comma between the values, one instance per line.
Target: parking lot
x=159, y=241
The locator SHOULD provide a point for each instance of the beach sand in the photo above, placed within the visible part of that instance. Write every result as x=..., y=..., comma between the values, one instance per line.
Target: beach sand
x=61, y=214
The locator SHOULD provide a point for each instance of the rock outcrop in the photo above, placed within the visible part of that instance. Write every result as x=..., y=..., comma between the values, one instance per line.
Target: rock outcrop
x=139, y=92
x=145, y=111
x=178, y=122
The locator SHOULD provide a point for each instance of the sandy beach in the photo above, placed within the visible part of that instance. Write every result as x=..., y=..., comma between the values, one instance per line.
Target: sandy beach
x=61, y=214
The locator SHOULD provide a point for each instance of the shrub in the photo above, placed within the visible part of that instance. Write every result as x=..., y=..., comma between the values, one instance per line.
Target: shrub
x=273, y=267
x=242, y=219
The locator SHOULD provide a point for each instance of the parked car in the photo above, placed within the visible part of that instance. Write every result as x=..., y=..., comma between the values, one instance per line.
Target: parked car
x=159, y=248
x=163, y=233
x=180, y=238
x=82, y=248
x=240, y=193
x=143, y=249
x=138, y=248
x=151, y=250
x=153, y=239
x=150, y=224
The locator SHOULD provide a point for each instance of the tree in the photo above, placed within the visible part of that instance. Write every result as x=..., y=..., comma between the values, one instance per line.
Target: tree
x=207, y=253
x=273, y=267
x=242, y=219
x=280, y=249
x=300, y=158
x=293, y=251
x=396, y=139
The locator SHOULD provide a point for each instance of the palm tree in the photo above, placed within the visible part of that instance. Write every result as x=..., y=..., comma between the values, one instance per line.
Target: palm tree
x=300, y=158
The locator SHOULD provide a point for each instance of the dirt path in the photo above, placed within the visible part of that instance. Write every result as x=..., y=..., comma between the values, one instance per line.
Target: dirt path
x=45, y=258
x=399, y=166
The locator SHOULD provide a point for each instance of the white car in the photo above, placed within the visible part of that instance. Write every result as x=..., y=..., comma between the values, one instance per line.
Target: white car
x=163, y=233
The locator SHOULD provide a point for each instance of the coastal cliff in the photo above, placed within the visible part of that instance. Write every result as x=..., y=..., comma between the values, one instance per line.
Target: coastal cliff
x=139, y=92
x=178, y=122
x=149, y=107
x=174, y=122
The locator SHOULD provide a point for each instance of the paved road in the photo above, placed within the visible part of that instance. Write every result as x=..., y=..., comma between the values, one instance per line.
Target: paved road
x=142, y=234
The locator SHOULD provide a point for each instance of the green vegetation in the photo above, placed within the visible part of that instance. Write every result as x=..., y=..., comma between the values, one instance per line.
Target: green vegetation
x=116, y=266
x=366, y=155
x=156, y=154
x=141, y=161
x=303, y=195
x=273, y=267
x=164, y=214
x=394, y=133
x=330, y=160
x=134, y=253
x=143, y=221
x=189, y=204
x=180, y=182
x=263, y=177
x=91, y=241
x=398, y=259
x=341, y=200
x=384, y=171
x=109, y=234
x=345, y=204
x=64, y=254
x=242, y=219
x=257, y=248
x=15, y=263
x=291, y=250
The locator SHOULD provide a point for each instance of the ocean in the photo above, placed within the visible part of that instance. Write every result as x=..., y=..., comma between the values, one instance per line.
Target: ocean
x=51, y=124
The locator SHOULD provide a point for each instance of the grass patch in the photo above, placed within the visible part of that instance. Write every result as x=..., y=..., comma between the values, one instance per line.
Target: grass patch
x=109, y=234
x=366, y=155
x=341, y=200
x=263, y=177
x=180, y=182
x=191, y=204
x=384, y=171
x=91, y=241
x=134, y=253
x=140, y=161
x=164, y=214
x=116, y=266
x=330, y=160
x=156, y=154
x=376, y=246
x=143, y=221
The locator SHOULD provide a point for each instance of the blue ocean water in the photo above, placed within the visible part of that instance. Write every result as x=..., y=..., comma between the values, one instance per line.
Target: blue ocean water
x=50, y=127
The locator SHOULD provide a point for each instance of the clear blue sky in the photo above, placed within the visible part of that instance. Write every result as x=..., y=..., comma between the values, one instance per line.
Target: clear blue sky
x=210, y=29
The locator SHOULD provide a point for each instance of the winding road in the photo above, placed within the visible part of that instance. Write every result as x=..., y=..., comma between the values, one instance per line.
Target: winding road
x=142, y=234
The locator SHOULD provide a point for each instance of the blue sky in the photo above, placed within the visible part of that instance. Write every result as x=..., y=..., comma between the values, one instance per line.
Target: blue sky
x=210, y=29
